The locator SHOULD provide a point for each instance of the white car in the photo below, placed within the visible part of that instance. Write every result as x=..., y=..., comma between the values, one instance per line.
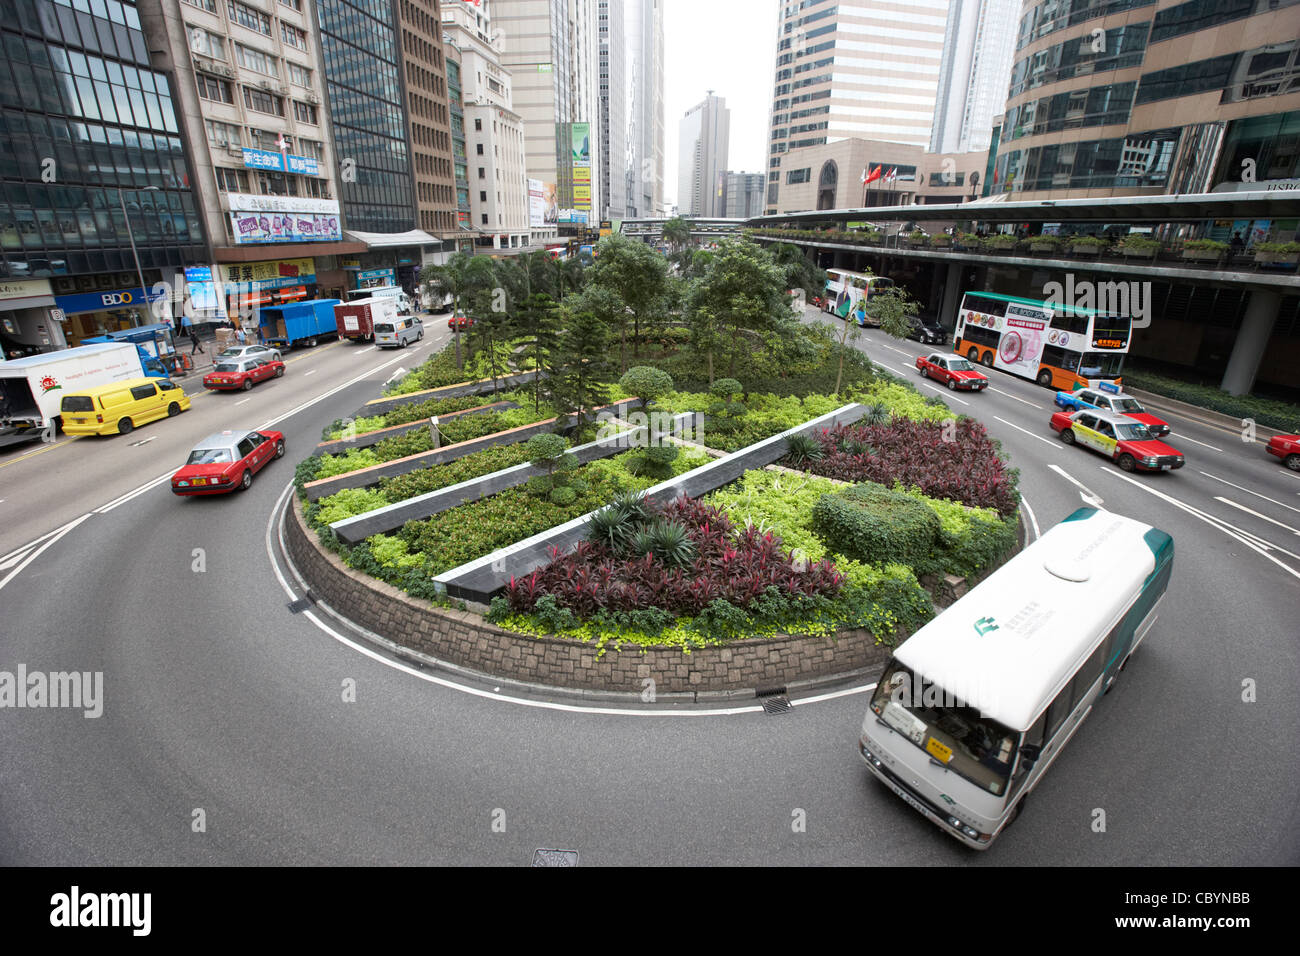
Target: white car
x=240, y=352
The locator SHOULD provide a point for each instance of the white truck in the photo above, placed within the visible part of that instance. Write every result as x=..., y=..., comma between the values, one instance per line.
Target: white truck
x=32, y=388
x=404, y=304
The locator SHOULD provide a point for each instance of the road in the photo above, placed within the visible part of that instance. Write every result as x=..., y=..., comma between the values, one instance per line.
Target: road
x=219, y=699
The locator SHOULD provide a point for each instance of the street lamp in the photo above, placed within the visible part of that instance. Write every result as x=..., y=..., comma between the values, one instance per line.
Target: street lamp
x=130, y=234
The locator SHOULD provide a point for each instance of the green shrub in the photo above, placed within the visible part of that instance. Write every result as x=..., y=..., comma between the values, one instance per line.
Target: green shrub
x=1277, y=248
x=647, y=383
x=1206, y=245
x=877, y=525
x=563, y=495
x=348, y=504
x=435, y=477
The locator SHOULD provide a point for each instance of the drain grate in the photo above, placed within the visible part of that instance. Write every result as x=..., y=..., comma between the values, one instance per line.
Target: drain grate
x=779, y=704
x=555, y=858
x=300, y=605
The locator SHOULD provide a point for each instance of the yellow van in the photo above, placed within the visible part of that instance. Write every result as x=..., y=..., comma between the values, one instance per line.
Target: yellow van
x=116, y=408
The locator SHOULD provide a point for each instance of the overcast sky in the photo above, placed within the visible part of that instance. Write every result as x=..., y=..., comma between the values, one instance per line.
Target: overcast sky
x=728, y=46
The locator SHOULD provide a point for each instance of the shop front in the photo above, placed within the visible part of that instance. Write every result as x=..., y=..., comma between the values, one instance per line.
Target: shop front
x=249, y=287
x=392, y=259
x=27, y=325
x=91, y=314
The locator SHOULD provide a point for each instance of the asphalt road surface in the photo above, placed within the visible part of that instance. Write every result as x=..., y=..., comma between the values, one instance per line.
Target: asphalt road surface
x=221, y=705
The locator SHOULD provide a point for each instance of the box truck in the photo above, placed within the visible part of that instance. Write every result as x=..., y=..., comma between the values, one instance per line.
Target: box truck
x=356, y=319
x=404, y=304
x=32, y=388
x=298, y=323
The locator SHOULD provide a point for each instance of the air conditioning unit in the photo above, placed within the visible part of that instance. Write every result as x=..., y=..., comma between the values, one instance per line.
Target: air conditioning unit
x=312, y=97
x=284, y=90
x=266, y=85
x=202, y=63
x=235, y=149
x=225, y=70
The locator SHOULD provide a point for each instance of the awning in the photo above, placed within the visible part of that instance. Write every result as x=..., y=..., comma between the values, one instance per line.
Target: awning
x=390, y=240
x=291, y=294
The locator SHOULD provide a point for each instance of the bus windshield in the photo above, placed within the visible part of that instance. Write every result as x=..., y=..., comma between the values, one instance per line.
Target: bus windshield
x=973, y=746
x=1100, y=364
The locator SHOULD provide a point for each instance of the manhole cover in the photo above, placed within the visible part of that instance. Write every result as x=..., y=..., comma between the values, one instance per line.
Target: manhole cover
x=555, y=858
x=776, y=705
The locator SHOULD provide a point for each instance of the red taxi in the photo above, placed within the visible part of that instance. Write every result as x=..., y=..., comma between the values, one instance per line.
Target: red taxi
x=226, y=461
x=953, y=370
x=1127, y=442
x=461, y=322
x=242, y=373
x=1287, y=449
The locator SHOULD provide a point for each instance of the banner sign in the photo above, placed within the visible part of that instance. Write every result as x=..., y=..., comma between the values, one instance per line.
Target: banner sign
x=251, y=228
x=266, y=159
x=277, y=274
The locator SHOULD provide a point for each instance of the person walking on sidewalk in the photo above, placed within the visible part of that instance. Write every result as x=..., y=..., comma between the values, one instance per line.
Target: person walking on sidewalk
x=194, y=339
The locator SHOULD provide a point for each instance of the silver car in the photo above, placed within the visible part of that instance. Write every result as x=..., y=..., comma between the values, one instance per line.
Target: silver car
x=237, y=352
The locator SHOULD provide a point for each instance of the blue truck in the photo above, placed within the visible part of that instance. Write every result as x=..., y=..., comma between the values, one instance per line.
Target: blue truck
x=299, y=323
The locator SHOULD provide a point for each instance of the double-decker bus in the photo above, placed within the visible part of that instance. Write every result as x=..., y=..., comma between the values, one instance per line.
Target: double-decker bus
x=978, y=704
x=847, y=293
x=1058, y=346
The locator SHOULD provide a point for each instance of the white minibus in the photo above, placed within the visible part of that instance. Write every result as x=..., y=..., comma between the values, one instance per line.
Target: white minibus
x=975, y=706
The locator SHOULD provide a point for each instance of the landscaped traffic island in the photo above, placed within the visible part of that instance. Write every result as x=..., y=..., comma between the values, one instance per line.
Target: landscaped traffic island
x=772, y=539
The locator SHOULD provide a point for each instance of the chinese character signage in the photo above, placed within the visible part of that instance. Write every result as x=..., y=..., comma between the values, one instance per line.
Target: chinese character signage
x=266, y=159
x=277, y=274
x=261, y=227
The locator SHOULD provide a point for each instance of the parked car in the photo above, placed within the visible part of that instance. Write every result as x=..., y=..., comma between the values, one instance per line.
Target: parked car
x=926, y=331
x=459, y=321
x=243, y=374
x=226, y=461
x=1126, y=441
x=1116, y=402
x=1287, y=449
x=953, y=370
x=237, y=352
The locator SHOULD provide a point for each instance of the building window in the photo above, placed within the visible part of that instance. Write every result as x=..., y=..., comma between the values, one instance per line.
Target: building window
x=795, y=176
x=299, y=74
x=478, y=126
x=311, y=149
x=207, y=44
x=214, y=89
x=293, y=36
x=305, y=113
x=262, y=102
x=316, y=188
x=265, y=139
x=231, y=180
x=208, y=5
x=482, y=173
x=478, y=148
x=276, y=184
x=485, y=222
x=256, y=60
x=246, y=16
x=292, y=4
x=221, y=135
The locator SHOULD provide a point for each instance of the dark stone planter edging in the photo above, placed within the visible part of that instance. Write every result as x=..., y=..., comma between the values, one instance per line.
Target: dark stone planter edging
x=480, y=579
x=368, y=477
x=340, y=446
x=464, y=639
x=383, y=520
x=382, y=406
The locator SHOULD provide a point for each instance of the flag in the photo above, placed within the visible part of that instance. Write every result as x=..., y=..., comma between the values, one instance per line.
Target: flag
x=873, y=176
x=892, y=175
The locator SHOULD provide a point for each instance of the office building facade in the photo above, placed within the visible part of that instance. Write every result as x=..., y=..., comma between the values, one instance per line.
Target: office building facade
x=703, y=144
x=94, y=162
x=867, y=69
x=972, y=93
x=643, y=22
x=743, y=195
x=614, y=156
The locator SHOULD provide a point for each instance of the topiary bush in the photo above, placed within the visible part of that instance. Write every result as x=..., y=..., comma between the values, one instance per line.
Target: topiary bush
x=875, y=524
x=647, y=383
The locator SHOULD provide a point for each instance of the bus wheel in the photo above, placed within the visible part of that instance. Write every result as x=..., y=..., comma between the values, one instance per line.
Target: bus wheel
x=973, y=354
x=987, y=360
x=1045, y=378
x=1127, y=463
x=1067, y=436
x=311, y=342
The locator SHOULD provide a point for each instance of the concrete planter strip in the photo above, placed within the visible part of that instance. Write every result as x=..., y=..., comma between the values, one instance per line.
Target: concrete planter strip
x=368, y=477
x=342, y=446
x=356, y=529
x=480, y=579
x=382, y=406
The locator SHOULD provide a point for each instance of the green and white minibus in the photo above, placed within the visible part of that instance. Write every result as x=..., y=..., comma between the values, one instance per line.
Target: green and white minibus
x=977, y=704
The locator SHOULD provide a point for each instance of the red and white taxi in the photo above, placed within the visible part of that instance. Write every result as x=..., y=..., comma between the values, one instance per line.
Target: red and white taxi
x=1286, y=448
x=462, y=322
x=953, y=370
x=1126, y=442
x=226, y=461
x=242, y=373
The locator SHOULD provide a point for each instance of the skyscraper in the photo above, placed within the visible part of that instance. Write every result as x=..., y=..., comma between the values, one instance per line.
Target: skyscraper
x=644, y=22
x=702, y=158
x=978, y=42
x=613, y=111
x=867, y=69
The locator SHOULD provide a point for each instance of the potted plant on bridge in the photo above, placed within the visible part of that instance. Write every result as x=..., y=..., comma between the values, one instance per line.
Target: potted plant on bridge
x=1277, y=253
x=941, y=240
x=966, y=240
x=1087, y=245
x=1044, y=243
x=1204, y=250
x=1138, y=247
x=916, y=239
x=1000, y=242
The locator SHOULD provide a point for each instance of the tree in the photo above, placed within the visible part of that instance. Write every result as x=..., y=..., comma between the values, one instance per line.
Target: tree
x=638, y=275
x=800, y=271
x=537, y=321
x=677, y=237
x=738, y=303
x=851, y=333
x=570, y=275
x=488, y=303
x=581, y=366
x=451, y=278
x=892, y=308
x=647, y=383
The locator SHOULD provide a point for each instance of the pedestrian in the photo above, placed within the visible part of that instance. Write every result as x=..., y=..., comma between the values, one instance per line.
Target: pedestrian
x=1235, y=246
x=239, y=335
x=194, y=339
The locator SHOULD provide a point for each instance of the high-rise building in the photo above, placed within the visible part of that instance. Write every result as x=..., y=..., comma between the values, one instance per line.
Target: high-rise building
x=495, y=157
x=702, y=158
x=743, y=195
x=459, y=156
x=1155, y=98
x=551, y=47
x=250, y=88
x=96, y=171
x=614, y=171
x=643, y=21
x=978, y=42
x=866, y=69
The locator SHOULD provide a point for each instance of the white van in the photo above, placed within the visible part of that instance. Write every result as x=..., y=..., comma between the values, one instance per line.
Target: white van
x=399, y=332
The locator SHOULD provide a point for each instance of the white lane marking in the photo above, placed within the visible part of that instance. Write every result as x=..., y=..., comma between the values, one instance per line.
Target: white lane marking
x=37, y=552
x=1041, y=408
x=31, y=544
x=134, y=492
x=1230, y=530
x=281, y=509
x=1249, y=511
x=310, y=371
x=1087, y=494
x=143, y=441
x=324, y=395
x=1246, y=490
x=817, y=699
x=892, y=349
x=1182, y=437
x=242, y=400
x=946, y=393
x=1033, y=519
x=1028, y=432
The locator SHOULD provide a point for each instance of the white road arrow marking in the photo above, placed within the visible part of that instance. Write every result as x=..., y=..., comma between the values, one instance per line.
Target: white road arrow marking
x=28, y=558
x=1089, y=496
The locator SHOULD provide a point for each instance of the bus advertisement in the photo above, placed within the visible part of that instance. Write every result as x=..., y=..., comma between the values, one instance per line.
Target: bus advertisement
x=847, y=294
x=1059, y=346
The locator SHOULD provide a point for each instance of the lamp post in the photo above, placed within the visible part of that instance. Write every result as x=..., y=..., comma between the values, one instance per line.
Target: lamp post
x=130, y=234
